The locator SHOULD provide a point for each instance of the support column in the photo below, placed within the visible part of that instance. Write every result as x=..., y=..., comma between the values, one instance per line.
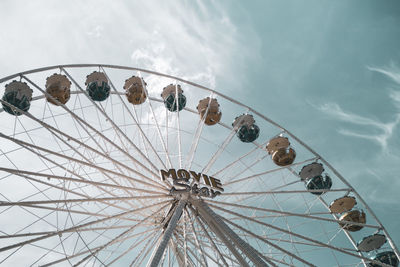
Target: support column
x=216, y=223
x=159, y=251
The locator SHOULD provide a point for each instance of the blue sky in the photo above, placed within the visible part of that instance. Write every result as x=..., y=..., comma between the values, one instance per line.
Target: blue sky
x=329, y=71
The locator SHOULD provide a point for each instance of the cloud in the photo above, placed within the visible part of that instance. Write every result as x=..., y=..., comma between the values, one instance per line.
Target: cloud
x=192, y=42
x=190, y=39
x=392, y=72
x=371, y=175
x=385, y=129
x=96, y=31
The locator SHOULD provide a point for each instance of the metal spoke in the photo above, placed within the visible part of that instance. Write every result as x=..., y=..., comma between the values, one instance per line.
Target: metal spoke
x=39, y=202
x=80, y=143
x=119, y=236
x=67, y=258
x=221, y=148
x=116, y=127
x=49, y=176
x=286, y=213
x=135, y=121
x=25, y=144
x=269, y=243
x=209, y=237
x=287, y=192
x=295, y=234
x=198, y=246
x=220, y=227
x=265, y=172
x=84, y=123
x=196, y=137
x=74, y=228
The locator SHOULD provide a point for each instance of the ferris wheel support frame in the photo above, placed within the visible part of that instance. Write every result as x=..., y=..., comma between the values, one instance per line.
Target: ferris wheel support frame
x=215, y=222
x=62, y=67
x=159, y=251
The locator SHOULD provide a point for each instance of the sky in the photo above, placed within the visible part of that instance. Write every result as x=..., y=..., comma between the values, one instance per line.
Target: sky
x=328, y=71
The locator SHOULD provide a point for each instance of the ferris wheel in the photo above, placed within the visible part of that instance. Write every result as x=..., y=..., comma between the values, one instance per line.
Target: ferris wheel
x=104, y=165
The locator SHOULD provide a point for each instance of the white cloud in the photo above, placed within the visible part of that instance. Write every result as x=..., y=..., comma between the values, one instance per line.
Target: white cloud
x=195, y=40
x=96, y=31
x=385, y=129
x=190, y=42
x=392, y=72
x=395, y=96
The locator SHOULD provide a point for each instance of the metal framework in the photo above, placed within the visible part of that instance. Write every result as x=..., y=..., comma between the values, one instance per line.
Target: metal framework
x=80, y=184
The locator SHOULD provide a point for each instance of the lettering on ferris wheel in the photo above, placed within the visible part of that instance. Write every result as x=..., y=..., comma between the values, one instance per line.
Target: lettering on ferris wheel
x=181, y=181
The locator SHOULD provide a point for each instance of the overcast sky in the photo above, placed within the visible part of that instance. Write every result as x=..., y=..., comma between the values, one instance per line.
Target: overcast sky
x=329, y=71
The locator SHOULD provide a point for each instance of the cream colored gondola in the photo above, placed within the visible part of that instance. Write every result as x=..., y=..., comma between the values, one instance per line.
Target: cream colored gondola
x=209, y=111
x=59, y=88
x=281, y=152
x=135, y=90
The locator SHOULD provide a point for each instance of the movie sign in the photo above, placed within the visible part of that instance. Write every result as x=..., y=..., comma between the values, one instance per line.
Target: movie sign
x=183, y=180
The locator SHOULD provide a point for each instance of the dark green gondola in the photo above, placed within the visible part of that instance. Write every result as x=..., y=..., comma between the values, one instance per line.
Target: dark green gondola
x=19, y=95
x=171, y=102
x=387, y=257
x=248, y=134
x=246, y=129
x=97, y=86
x=319, y=183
